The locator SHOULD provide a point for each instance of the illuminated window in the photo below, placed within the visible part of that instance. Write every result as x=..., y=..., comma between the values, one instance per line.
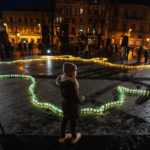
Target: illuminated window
x=57, y=19
x=73, y=11
x=80, y=31
x=88, y=30
x=113, y=41
x=94, y=31
x=81, y=11
x=60, y=19
x=58, y=29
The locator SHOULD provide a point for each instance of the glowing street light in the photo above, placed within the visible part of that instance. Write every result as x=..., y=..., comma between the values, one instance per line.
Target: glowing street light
x=130, y=30
x=5, y=24
x=39, y=29
x=147, y=39
x=18, y=34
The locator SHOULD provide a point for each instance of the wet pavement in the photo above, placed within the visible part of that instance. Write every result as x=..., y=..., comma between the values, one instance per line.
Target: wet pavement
x=18, y=116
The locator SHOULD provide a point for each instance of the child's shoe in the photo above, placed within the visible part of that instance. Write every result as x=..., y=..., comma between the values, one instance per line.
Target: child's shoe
x=75, y=140
x=67, y=136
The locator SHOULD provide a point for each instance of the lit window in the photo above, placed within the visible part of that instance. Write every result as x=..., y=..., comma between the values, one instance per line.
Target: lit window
x=57, y=19
x=81, y=11
x=81, y=31
x=88, y=30
x=60, y=19
x=58, y=28
x=94, y=31
x=73, y=11
x=113, y=41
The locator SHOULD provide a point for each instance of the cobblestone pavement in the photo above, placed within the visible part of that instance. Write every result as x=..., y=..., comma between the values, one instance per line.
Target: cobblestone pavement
x=98, y=84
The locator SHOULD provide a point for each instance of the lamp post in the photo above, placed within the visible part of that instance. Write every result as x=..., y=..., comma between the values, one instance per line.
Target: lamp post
x=147, y=42
x=39, y=25
x=130, y=30
x=18, y=35
x=5, y=24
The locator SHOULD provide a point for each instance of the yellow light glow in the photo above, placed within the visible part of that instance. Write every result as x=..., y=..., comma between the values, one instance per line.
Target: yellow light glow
x=100, y=61
x=130, y=30
x=18, y=34
x=5, y=24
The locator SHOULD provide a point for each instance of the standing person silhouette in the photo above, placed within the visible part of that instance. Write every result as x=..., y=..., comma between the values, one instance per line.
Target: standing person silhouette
x=72, y=99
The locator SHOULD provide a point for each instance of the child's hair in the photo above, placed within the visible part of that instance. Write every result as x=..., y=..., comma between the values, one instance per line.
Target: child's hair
x=69, y=68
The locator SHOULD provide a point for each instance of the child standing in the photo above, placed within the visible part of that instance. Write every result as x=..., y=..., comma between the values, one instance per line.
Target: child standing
x=71, y=104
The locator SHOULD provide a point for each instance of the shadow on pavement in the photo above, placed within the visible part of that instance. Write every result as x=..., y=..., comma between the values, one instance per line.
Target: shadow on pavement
x=26, y=142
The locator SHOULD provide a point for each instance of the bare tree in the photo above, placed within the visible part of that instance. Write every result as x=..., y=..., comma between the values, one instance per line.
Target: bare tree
x=101, y=21
x=50, y=14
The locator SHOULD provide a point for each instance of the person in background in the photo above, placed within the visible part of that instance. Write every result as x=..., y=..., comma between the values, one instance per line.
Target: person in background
x=146, y=55
x=72, y=99
x=30, y=46
x=139, y=52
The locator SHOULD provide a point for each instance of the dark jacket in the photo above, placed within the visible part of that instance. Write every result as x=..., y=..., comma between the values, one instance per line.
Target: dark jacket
x=71, y=104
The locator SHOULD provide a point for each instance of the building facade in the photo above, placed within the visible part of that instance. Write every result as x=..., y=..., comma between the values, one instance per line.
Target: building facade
x=131, y=20
x=23, y=25
x=81, y=17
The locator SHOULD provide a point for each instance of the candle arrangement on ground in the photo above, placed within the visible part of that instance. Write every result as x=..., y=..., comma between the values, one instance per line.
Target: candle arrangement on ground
x=100, y=61
x=99, y=110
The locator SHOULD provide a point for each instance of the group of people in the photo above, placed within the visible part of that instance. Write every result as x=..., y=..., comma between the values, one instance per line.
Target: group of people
x=25, y=48
x=141, y=51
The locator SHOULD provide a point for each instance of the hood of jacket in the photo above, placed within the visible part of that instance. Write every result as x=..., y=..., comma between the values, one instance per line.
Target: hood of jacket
x=63, y=79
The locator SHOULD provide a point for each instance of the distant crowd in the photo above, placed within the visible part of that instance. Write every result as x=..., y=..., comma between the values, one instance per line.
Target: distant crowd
x=85, y=51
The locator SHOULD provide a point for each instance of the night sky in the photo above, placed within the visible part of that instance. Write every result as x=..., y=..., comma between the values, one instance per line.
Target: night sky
x=19, y=4
x=36, y=4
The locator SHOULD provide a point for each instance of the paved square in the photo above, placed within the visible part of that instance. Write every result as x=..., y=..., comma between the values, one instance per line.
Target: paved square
x=99, y=85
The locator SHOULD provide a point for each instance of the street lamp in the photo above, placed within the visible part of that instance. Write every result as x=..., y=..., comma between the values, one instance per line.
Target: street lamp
x=147, y=42
x=147, y=39
x=39, y=29
x=18, y=34
x=130, y=30
x=5, y=24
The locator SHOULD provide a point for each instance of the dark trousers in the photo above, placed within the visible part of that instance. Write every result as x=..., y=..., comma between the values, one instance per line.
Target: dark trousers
x=146, y=59
x=72, y=124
